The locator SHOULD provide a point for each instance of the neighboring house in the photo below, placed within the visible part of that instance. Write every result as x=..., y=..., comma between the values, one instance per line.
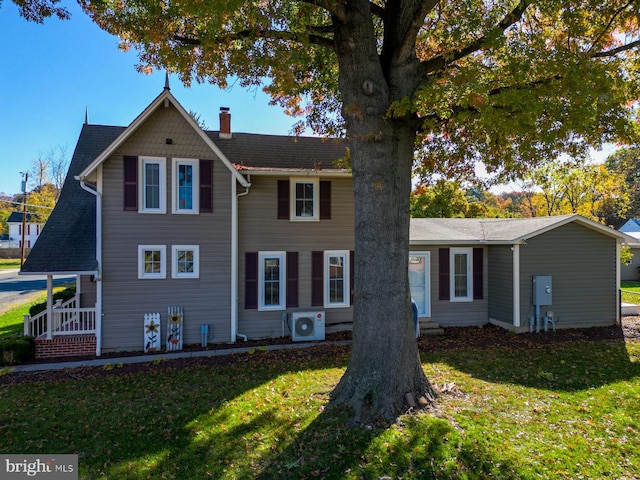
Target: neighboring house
x=32, y=230
x=251, y=233
x=630, y=271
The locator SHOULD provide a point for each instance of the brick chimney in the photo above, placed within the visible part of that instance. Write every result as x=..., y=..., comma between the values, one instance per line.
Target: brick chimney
x=225, y=123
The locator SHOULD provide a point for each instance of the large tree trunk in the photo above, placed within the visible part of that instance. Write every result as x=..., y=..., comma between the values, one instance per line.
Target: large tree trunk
x=384, y=365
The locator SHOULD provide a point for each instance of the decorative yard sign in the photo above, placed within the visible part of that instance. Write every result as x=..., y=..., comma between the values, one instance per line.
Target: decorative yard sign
x=151, y=332
x=174, y=328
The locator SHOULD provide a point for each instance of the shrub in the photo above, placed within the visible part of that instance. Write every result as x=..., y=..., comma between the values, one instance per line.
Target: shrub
x=64, y=295
x=17, y=349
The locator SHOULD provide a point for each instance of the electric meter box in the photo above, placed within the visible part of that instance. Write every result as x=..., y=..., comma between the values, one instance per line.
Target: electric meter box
x=542, y=290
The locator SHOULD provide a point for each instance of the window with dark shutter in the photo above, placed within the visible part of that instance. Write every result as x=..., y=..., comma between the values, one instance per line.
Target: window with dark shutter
x=317, y=279
x=443, y=274
x=478, y=287
x=283, y=199
x=206, y=186
x=292, y=279
x=130, y=183
x=251, y=280
x=325, y=200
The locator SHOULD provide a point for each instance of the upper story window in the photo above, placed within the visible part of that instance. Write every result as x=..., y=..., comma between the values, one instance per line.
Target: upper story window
x=304, y=199
x=185, y=174
x=153, y=185
x=461, y=275
x=145, y=185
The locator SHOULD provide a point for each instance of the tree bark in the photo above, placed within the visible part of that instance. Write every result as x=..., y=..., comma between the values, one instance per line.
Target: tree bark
x=384, y=367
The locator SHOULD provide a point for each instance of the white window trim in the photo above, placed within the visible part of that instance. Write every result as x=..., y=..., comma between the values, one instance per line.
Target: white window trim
x=163, y=185
x=174, y=261
x=175, y=198
x=282, y=256
x=427, y=283
x=163, y=262
x=316, y=199
x=461, y=251
x=327, y=268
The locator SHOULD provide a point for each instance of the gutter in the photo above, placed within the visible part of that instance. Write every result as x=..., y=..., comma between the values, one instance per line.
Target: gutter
x=98, y=277
x=234, y=257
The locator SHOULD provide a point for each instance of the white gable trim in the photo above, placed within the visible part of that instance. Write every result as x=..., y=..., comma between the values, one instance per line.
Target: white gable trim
x=165, y=96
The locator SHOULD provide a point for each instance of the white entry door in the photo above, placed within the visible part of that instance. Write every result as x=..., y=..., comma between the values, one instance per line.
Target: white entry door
x=419, y=267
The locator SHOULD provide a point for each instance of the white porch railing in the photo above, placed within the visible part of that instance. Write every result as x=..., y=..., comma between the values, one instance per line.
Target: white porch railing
x=67, y=319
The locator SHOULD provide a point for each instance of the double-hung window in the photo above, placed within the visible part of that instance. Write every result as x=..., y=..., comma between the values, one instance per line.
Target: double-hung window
x=185, y=261
x=461, y=275
x=271, y=278
x=153, y=185
x=185, y=185
x=152, y=261
x=304, y=199
x=336, y=274
x=419, y=282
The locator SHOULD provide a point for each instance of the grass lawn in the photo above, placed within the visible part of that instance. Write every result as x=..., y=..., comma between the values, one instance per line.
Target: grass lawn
x=12, y=321
x=564, y=410
x=9, y=263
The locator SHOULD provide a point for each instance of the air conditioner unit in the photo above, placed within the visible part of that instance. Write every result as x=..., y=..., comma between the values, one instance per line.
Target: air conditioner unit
x=307, y=326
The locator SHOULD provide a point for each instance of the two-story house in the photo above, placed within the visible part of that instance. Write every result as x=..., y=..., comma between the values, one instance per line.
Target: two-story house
x=236, y=236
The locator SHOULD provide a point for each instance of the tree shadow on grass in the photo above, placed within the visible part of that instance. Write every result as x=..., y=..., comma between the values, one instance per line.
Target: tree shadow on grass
x=569, y=365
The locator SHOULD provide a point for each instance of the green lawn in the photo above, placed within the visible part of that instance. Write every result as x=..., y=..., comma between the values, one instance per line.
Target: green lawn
x=9, y=263
x=566, y=410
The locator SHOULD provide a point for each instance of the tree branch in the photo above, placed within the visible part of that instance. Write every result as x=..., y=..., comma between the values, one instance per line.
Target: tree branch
x=335, y=8
x=407, y=45
x=606, y=29
x=260, y=33
x=614, y=51
x=442, y=61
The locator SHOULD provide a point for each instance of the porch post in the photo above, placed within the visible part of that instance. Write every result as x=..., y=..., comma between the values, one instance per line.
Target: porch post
x=49, y=307
x=515, y=248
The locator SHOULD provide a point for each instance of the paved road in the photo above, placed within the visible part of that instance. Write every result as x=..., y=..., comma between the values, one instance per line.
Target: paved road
x=17, y=289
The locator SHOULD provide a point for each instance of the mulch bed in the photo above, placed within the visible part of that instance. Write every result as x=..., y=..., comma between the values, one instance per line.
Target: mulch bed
x=453, y=338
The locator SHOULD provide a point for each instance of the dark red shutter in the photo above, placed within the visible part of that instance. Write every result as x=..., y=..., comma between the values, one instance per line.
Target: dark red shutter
x=444, y=275
x=292, y=279
x=325, y=200
x=206, y=186
x=317, y=279
x=283, y=199
x=130, y=169
x=251, y=280
x=478, y=287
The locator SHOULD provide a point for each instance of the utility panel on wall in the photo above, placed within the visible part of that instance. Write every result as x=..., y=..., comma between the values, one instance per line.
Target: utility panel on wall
x=542, y=291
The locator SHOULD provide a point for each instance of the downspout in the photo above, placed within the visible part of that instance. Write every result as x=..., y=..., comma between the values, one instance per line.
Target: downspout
x=98, y=196
x=515, y=248
x=234, y=259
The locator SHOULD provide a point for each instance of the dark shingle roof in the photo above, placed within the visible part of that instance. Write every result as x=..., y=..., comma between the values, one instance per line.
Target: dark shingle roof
x=16, y=217
x=68, y=240
x=276, y=152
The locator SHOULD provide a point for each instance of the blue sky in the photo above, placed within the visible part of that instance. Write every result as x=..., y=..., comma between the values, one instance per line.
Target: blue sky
x=51, y=73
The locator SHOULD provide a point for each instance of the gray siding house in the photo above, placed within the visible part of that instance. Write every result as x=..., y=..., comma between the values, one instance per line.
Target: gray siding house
x=252, y=237
x=578, y=258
